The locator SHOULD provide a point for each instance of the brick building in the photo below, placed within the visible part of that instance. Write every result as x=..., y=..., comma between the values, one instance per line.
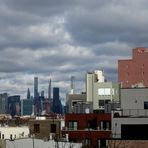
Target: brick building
x=90, y=129
x=133, y=72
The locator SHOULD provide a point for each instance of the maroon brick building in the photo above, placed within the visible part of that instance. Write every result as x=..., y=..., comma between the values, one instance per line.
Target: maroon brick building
x=90, y=129
x=132, y=72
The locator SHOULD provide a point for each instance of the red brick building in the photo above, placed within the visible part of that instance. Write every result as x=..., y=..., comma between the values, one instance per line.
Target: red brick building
x=90, y=129
x=132, y=72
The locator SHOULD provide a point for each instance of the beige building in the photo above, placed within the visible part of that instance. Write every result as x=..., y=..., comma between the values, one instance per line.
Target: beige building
x=46, y=128
x=73, y=100
x=100, y=92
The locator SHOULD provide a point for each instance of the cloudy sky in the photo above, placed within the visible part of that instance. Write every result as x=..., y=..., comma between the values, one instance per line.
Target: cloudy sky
x=60, y=38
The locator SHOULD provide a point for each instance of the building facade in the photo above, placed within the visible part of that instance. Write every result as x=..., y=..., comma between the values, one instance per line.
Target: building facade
x=133, y=72
x=3, y=103
x=26, y=107
x=57, y=106
x=73, y=100
x=131, y=121
x=90, y=129
x=46, y=128
x=36, y=93
x=134, y=99
x=91, y=78
x=99, y=92
x=14, y=105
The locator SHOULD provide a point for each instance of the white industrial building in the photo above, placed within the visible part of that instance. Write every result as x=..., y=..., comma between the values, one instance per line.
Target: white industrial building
x=131, y=121
x=100, y=92
x=7, y=132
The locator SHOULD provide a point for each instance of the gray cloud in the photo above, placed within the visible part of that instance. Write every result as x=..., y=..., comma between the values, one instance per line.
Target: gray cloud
x=58, y=39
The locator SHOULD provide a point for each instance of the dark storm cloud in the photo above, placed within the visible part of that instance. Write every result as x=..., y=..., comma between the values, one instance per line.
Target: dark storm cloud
x=124, y=21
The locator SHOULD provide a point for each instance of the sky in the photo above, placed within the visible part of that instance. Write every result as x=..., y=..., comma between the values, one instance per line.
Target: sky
x=58, y=39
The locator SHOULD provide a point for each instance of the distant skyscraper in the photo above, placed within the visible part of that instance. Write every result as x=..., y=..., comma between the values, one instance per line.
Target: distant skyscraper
x=26, y=107
x=3, y=103
x=14, y=105
x=28, y=94
x=72, y=84
x=57, y=106
x=42, y=93
x=36, y=88
x=49, y=90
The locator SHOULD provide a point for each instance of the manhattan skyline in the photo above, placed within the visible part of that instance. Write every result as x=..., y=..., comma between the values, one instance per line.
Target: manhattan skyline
x=59, y=39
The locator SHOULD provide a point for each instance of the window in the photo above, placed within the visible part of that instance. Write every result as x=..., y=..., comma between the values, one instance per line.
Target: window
x=107, y=91
x=86, y=142
x=102, y=143
x=100, y=91
x=103, y=102
x=104, y=91
x=36, y=128
x=106, y=101
x=53, y=128
x=105, y=125
x=146, y=105
x=72, y=125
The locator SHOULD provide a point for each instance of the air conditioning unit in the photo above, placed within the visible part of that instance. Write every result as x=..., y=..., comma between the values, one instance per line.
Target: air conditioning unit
x=116, y=113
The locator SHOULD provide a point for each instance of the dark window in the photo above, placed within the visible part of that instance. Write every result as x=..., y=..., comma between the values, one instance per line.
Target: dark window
x=106, y=101
x=86, y=142
x=105, y=125
x=101, y=102
x=145, y=105
x=92, y=123
x=36, y=128
x=53, y=128
x=134, y=131
x=103, y=143
x=72, y=125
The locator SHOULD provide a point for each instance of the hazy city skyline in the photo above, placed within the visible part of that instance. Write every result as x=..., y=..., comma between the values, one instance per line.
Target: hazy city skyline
x=58, y=39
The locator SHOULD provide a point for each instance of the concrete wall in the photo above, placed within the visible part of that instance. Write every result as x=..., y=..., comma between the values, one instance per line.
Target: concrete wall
x=16, y=132
x=133, y=98
x=114, y=87
x=89, y=87
x=74, y=98
x=2, y=143
x=37, y=143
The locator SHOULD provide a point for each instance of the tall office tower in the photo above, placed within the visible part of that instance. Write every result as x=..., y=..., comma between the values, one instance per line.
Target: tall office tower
x=57, y=106
x=26, y=107
x=3, y=103
x=49, y=90
x=28, y=93
x=36, y=95
x=134, y=72
x=14, y=105
x=42, y=94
